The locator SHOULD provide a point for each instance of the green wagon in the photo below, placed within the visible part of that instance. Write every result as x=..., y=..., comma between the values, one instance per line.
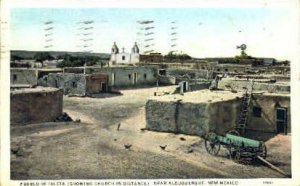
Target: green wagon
x=237, y=146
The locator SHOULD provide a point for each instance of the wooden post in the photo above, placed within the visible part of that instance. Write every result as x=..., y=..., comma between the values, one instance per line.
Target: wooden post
x=272, y=166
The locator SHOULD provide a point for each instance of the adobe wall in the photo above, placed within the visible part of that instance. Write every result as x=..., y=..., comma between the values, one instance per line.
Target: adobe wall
x=35, y=105
x=23, y=76
x=95, y=83
x=70, y=83
x=124, y=76
x=192, y=73
x=268, y=104
x=257, y=86
x=193, y=118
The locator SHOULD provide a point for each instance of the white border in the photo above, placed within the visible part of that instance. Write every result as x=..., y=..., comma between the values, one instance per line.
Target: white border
x=4, y=69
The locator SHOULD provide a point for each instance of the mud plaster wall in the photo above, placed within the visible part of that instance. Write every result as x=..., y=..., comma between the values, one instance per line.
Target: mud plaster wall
x=95, y=82
x=268, y=87
x=69, y=82
x=125, y=76
x=268, y=104
x=35, y=107
x=23, y=76
x=191, y=118
x=192, y=73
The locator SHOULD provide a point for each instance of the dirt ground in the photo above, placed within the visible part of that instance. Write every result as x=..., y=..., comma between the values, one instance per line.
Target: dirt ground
x=95, y=149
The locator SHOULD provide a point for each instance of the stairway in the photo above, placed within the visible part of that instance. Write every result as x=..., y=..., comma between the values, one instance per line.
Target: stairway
x=246, y=99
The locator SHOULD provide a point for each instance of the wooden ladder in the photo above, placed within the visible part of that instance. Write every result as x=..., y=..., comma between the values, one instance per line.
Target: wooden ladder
x=246, y=99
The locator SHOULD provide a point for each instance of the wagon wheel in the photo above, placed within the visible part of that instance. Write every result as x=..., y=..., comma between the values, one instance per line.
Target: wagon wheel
x=212, y=146
x=263, y=152
x=234, y=132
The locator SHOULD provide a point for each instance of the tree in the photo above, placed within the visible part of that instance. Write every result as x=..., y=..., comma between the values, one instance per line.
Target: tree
x=42, y=56
x=72, y=61
x=16, y=58
x=177, y=57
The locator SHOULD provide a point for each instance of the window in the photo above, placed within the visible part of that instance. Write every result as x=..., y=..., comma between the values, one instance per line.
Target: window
x=129, y=76
x=145, y=76
x=14, y=77
x=256, y=111
x=218, y=69
x=162, y=72
x=74, y=85
x=226, y=70
x=123, y=58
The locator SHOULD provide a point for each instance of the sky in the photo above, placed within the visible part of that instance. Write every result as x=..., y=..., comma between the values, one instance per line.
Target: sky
x=200, y=32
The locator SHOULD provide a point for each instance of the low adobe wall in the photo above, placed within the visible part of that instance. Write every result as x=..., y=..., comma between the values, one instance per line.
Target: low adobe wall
x=257, y=85
x=192, y=117
x=35, y=105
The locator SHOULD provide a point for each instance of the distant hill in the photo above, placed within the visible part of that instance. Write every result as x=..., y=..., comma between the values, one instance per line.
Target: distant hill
x=29, y=54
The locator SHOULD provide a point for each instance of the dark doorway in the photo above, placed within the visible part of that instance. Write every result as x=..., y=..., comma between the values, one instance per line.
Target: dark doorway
x=103, y=87
x=14, y=77
x=281, y=120
x=135, y=78
x=185, y=86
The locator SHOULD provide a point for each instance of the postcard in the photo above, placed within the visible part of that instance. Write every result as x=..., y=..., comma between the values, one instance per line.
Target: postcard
x=149, y=93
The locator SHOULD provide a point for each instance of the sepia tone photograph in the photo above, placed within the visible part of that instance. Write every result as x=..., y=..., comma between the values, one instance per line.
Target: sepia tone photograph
x=151, y=92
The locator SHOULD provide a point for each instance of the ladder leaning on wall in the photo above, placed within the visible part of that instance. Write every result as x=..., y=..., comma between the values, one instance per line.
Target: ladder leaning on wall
x=244, y=109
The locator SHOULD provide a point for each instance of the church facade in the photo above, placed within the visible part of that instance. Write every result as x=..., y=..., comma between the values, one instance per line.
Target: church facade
x=123, y=57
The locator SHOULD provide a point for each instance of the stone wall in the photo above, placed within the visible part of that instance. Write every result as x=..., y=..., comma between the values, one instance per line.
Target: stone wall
x=35, y=105
x=23, y=76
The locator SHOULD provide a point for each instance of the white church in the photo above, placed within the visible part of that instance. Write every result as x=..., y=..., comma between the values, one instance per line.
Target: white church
x=123, y=57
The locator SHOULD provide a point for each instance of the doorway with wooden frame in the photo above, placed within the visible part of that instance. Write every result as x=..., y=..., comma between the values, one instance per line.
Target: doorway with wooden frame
x=281, y=120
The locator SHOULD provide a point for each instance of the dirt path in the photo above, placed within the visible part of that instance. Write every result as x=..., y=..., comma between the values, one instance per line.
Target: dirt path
x=94, y=148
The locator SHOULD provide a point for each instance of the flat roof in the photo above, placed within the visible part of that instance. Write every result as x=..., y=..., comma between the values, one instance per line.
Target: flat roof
x=38, y=69
x=261, y=81
x=33, y=90
x=200, y=96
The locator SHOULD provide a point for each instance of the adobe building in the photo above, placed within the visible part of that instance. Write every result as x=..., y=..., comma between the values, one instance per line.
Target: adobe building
x=152, y=57
x=28, y=76
x=199, y=112
x=122, y=76
x=35, y=105
x=270, y=112
x=77, y=84
x=268, y=85
x=23, y=76
x=195, y=113
x=172, y=76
